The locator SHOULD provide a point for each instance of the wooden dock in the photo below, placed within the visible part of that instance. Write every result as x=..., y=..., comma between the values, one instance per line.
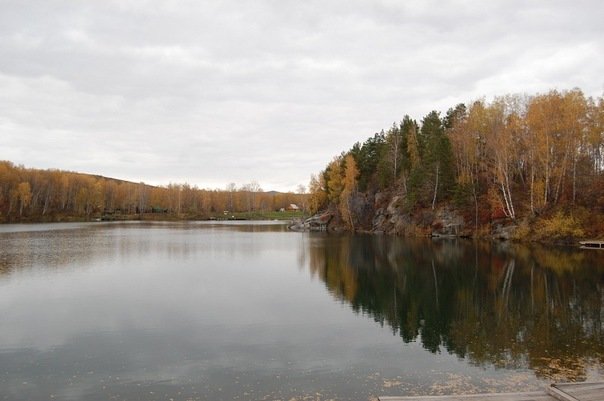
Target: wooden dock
x=555, y=392
x=592, y=244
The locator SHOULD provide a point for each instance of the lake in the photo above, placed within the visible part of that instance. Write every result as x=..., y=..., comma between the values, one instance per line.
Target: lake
x=251, y=311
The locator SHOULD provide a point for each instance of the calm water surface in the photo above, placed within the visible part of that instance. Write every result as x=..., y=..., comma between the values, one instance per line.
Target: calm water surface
x=250, y=311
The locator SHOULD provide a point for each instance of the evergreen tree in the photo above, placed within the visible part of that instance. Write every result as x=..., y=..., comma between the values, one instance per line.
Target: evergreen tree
x=438, y=157
x=367, y=157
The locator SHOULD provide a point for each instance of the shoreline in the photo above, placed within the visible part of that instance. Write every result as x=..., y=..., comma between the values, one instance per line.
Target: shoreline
x=296, y=224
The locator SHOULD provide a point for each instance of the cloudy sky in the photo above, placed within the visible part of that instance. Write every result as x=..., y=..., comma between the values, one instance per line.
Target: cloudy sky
x=212, y=92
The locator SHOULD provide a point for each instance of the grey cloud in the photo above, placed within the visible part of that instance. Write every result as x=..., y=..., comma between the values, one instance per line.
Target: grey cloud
x=221, y=91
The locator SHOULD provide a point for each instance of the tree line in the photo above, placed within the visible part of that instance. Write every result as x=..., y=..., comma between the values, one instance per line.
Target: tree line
x=48, y=195
x=516, y=157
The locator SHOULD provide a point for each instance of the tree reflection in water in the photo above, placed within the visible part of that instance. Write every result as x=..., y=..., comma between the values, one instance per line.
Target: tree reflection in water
x=501, y=304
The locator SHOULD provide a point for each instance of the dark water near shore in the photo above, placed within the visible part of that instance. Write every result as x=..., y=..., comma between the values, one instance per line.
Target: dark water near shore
x=242, y=311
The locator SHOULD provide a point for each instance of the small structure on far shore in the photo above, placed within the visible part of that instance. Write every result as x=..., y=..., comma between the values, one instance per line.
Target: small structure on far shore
x=592, y=244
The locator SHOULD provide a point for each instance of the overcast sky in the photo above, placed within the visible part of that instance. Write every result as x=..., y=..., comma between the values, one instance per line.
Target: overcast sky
x=212, y=92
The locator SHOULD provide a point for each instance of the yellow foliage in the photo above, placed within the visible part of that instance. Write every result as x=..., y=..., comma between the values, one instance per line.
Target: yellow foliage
x=318, y=196
x=351, y=173
x=523, y=231
x=559, y=226
x=538, y=190
x=335, y=183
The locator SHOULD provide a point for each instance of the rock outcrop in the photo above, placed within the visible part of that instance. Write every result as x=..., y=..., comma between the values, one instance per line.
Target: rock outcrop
x=317, y=222
x=391, y=218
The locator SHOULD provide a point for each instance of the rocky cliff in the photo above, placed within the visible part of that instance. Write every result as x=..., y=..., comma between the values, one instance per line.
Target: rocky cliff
x=385, y=213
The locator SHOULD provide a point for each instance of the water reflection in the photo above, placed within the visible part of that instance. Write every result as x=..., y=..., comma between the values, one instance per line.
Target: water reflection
x=227, y=311
x=500, y=305
x=76, y=244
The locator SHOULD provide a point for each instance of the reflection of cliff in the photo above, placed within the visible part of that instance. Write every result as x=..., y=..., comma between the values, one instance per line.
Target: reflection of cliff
x=498, y=305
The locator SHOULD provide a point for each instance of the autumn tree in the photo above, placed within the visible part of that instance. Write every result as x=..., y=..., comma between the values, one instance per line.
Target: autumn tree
x=349, y=191
x=504, y=124
x=465, y=136
x=251, y=190
x=23, y=195
x=317, y=193
x=542, y=122
x=334, y=180
x=89, y=195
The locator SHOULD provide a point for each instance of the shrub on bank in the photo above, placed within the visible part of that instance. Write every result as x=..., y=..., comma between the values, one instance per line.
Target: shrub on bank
x=559, y=227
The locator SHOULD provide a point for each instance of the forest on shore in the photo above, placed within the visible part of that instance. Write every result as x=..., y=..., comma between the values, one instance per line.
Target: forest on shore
x=534, y=163
x=35, y=195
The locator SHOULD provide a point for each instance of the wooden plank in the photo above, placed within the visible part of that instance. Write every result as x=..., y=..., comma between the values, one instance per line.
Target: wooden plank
x=589, y=391
x=526, y=396
x=581, y=387
x=559, y=394
x=592, y=397
x=583, y=391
